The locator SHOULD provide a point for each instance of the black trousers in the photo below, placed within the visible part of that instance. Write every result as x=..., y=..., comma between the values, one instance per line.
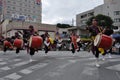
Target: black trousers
x=5, y=48
x=17, y=50
x=46, y=49
x=73, y=48
x=95, y=51
x=32, y=51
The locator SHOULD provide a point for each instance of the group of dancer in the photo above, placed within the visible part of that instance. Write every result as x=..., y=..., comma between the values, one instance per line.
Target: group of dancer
x=26, y=37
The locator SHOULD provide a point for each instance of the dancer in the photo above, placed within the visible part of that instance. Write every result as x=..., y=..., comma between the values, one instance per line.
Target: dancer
x=27, y=37
x=94, y=29
x=47, y=43
x=7, y=44
x=107, y=31
x=59, y=43
x=73, y=45
x=14, y=42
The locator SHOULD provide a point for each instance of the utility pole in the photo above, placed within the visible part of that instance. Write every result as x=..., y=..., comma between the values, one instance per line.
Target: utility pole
x=72, y=22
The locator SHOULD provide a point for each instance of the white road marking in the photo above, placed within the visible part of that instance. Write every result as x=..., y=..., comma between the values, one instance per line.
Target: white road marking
x=115, y=67
x=3, y=63
x=89, y=71
x=5, y=68
x=38, y=66
x=13, y=76
x=33, y=68
x=114, y=60
x=53, y=74
x=21, y=63
x=1, y=60
x=73, y=61
x=26, y=71
x=17, y=59
x=63, y=66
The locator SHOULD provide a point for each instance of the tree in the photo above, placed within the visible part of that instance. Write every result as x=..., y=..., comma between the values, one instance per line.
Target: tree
x=63, y=25
x=103, y=20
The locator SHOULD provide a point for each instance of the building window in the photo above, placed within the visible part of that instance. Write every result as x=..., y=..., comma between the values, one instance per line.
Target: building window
x=91, y=14
x=8, y=1
x=20, y=4
x=116, y=12
x=8, y=7
x=13, y=7
x=83, y=16
x=8, y=12
x=20, y=9
x=83, y=21
x=116, y=20
x=14, y=2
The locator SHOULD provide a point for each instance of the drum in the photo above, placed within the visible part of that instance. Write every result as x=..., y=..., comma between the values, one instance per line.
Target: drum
x=103, y=41
x=35, y=42
x=8, y=44
x=18, y=43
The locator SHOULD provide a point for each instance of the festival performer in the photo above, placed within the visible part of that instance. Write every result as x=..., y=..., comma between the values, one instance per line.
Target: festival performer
x=7, y=44
x=31, y=50
x=73, y=45
x=33, y=41
x=17, y=42
x=79, y=43
x=94, y=29
x=47, y=43
x=1, y=42
x=59, y=43
x=108, y=31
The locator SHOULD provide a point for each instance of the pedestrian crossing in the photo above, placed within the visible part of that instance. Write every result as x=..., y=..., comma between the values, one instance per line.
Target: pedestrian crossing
x=15, y=68
x=17, y=63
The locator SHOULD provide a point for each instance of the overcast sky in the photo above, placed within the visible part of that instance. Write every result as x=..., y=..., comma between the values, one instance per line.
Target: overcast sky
x=63, y=11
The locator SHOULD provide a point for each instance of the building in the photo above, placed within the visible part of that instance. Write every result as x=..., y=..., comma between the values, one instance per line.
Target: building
x=22, y=10
x=110, y=8
x=14, y=26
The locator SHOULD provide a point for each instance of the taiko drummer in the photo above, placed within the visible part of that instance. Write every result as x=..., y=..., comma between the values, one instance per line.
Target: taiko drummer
x=94, y=29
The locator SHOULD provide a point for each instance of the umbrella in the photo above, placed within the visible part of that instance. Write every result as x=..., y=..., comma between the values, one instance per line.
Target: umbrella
x=116, y=36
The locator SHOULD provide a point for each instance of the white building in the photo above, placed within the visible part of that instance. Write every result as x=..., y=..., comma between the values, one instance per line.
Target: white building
x=110, y=8
x=24, y=10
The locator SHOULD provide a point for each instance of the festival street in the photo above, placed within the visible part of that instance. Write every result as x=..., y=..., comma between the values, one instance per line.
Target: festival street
x=58, y=65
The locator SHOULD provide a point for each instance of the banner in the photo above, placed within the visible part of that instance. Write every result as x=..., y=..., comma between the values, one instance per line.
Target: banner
x=23, y=18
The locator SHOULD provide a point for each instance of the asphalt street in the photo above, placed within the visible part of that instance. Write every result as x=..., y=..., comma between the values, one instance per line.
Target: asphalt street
x=58, y=65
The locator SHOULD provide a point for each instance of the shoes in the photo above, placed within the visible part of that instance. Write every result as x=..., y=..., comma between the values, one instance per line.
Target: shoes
x=103, y=58
x=31, y=60
x=97, y=65
x=109, y=56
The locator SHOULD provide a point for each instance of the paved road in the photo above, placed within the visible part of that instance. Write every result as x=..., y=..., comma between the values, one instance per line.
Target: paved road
x=57, y=65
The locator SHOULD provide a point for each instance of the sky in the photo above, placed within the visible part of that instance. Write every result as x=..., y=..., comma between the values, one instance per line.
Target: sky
x=65, y=11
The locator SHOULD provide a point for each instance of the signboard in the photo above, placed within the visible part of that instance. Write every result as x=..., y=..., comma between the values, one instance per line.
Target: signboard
x=24, y=18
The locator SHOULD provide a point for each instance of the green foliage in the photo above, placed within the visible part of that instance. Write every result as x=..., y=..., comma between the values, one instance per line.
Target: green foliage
x=103, y=20
x=63, y=25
